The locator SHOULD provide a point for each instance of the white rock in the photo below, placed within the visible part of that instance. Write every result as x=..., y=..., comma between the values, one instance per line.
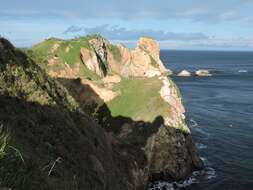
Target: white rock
x=203, y=73
x=152, y=72
x=184, y=73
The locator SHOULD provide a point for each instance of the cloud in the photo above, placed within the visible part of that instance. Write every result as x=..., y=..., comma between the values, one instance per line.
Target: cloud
x=168, y=40
x=121, y=33
x=195, y=10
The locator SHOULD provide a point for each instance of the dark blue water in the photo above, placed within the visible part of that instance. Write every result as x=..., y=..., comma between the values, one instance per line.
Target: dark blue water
x=220, y=114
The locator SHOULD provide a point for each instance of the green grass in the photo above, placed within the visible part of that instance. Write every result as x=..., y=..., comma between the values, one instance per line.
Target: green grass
x=139, y=100
x=14, y=172
x=153, y=62
x=115, y=52
x=42, y=52
x=73, y=55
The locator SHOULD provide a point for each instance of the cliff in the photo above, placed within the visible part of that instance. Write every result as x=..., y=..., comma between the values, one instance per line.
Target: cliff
x=110, y=118
x=46, y=140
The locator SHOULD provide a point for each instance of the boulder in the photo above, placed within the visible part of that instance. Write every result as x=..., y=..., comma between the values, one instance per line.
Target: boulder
x=184, y=73
x=203, y=73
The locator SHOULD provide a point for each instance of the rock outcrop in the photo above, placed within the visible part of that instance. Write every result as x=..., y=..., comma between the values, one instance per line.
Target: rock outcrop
x=203, y=73
x=92, y=62
x=95, y=59
x=184, y=73
x=143, y=61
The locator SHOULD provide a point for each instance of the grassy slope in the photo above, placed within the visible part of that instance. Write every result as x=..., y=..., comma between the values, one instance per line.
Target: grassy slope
x=68, y=52
x=139, y=100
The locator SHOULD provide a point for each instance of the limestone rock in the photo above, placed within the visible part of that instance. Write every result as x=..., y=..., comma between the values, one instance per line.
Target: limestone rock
x=99, y=45
x=153, y=48
x=143, y=61
x=184, y=73
x=112, y=79
x=152, y=73
x=92, y=62
x=104, y=94
x=203, y=73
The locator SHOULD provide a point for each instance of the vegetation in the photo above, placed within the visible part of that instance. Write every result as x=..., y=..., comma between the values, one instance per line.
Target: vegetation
x=139, y=100
x=62, y=52
x=153, y=62
x=115, y=52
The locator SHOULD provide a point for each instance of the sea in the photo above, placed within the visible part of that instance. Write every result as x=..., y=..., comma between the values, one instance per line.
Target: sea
x=219, y=112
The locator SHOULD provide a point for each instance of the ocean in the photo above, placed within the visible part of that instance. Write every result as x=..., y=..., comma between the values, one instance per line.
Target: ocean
x=219, y=112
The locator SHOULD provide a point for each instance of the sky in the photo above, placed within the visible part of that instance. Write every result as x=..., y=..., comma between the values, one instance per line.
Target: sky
x=176, y=24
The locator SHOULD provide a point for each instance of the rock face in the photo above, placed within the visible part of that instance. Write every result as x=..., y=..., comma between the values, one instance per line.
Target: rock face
x=139, y=108
x=143, y=61
x=153, y=49
x=203, y=73
x=96, y=59
x=184, y=73
x=92, y=62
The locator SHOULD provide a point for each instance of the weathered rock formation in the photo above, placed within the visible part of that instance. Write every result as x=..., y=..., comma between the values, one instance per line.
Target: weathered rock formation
x=203, y=73
x=184, y=73
x=96, y=58
x=142, y=61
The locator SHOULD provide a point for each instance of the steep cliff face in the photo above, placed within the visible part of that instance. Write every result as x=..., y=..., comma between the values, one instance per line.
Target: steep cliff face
x=131, y=97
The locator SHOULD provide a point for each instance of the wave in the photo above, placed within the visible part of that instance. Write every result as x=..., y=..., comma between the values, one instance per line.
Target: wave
x=207, y=173
x=200, y=146
x=195, y=127
x=242, y=71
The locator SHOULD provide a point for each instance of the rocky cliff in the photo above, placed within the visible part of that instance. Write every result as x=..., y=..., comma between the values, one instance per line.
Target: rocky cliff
x=125, y=115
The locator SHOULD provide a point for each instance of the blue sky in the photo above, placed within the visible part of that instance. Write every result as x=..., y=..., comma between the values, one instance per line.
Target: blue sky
x=176, y=24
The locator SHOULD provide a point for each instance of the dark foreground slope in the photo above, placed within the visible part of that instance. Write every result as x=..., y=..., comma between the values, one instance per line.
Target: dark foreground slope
x=45, y=142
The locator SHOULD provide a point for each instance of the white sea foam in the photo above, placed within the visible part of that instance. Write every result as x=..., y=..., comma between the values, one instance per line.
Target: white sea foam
x=200, y=146
x=196, y=127
x=207, y=173
x=193, y=123
x=242, y=71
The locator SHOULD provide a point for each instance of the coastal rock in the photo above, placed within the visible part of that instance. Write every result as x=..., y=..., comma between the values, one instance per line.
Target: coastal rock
x=153, y=48
x=203, y=73
x=92, y=62
x=99, y=44
x=184, y=73
x=170, y=151
x=152, y=73
x=143, y=61
x=112, y=79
